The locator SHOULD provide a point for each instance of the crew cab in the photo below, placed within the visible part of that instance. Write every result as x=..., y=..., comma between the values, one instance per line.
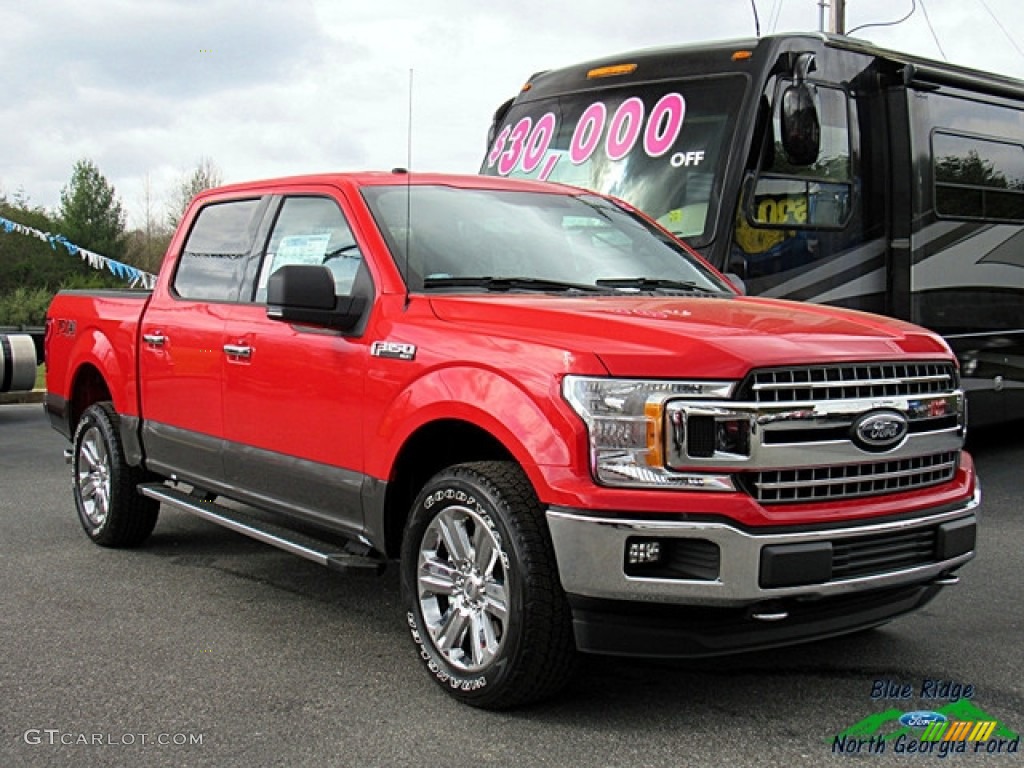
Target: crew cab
x=570, y=432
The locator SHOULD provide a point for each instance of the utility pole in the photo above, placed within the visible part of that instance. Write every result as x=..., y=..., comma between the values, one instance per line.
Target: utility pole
x=837, y=17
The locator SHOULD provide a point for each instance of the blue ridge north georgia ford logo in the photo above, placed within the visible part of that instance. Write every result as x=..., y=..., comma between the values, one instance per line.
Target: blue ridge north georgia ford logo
x=879, y=430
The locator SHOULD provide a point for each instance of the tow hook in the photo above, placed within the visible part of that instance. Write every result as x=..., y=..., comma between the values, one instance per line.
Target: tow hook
x=769, y=613
x=947, y=580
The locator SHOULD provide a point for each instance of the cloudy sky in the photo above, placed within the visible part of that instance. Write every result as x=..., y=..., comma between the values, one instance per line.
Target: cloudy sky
x=147, y=89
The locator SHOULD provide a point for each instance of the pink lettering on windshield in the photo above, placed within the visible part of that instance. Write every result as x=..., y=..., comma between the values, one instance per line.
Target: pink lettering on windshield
x=526, y=145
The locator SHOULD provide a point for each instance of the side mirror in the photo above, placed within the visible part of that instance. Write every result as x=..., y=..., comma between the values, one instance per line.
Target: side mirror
x=304, y=293
x=737, y=283
x=801, y=128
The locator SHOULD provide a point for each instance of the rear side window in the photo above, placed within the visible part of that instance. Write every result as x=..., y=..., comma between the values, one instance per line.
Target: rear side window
x=212, y=266
x=978, y=178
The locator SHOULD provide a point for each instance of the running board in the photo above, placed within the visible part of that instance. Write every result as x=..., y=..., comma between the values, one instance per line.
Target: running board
x=321, y=552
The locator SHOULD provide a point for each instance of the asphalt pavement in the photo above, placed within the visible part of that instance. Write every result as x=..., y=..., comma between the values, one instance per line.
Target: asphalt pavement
x=205, y=648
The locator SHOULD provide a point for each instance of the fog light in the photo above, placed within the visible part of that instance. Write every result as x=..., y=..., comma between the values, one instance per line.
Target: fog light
x=643, y=552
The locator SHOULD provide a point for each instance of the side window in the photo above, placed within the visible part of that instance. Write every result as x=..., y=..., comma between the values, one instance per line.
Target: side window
x=793, y=194
x=212, y=265
x=312, y=230
x=978, y=178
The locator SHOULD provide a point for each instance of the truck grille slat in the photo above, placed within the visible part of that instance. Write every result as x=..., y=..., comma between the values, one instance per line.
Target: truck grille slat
x=852, y=480
x=852, y=381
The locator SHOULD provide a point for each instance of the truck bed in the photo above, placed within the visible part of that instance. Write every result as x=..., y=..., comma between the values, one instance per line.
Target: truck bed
x=101, y=328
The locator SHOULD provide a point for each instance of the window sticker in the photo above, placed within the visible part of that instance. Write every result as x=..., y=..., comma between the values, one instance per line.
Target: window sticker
x=302, y=249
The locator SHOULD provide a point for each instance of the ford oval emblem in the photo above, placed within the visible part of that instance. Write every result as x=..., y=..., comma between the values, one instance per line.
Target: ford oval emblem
x=922, y=719
x=880, y=430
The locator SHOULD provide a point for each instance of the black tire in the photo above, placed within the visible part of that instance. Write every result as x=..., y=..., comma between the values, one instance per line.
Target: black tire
x=110, y=509
x=477, y=561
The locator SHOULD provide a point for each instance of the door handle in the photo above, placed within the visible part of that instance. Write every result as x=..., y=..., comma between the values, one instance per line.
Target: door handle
x=154, y=339
x=237, y=350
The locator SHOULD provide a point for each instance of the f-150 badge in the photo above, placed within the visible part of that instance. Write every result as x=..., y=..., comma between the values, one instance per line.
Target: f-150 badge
x=393, y=349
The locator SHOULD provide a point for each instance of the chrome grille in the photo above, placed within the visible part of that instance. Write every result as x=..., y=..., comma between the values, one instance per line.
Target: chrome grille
x=784, y=486
x=848, y=381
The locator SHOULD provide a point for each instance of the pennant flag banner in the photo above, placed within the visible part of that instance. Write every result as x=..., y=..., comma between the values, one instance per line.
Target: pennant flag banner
x=135, y=276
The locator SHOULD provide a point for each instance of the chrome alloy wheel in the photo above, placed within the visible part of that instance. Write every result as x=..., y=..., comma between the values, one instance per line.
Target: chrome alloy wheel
x=93, y=476
x=462, y=589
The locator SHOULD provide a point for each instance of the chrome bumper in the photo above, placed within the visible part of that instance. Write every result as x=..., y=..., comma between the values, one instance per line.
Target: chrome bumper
x=591, y=558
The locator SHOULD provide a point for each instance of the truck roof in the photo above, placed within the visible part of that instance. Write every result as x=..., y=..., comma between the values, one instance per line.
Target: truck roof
x=398, y=176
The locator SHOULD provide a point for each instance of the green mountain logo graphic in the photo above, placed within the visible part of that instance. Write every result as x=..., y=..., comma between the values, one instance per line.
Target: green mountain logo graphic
x=886, y=725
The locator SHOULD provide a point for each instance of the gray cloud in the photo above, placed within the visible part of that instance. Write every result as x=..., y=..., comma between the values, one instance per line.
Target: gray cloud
x=269, y=88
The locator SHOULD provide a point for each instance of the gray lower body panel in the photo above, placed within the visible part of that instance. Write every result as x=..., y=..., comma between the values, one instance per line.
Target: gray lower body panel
x=323, y=495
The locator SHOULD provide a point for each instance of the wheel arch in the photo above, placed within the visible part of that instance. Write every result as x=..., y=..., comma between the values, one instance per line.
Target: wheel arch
x=88, y=387
x=429, y=449
x=457, y=415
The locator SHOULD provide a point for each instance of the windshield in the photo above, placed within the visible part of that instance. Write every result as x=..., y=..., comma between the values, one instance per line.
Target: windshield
x=482, y=239
x=660, y=147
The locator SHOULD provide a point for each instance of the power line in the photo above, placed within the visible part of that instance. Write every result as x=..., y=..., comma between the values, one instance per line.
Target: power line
x=913, y=7
x=932, y=30
x=1000, y=25
x=774, y=15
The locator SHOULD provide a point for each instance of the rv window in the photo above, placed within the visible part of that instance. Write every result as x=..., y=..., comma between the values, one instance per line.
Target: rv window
x=818, y=195
x=833, y=160
x=978, y=178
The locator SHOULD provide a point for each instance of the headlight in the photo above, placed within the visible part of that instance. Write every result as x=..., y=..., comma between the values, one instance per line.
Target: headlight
x=625, y=419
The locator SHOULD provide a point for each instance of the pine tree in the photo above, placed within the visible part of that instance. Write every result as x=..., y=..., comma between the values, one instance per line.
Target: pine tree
x=90, y=214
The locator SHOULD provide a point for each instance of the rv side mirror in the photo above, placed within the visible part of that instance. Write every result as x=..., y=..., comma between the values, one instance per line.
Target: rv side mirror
x=801, y=128
x=499, y=115
x=737, y=283
x=304, y=293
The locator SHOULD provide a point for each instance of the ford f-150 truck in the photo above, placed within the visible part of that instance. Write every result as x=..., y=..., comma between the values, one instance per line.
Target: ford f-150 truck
x=571, y=432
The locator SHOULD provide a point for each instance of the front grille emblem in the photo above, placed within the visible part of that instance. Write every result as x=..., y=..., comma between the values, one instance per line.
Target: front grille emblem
x=878, y=431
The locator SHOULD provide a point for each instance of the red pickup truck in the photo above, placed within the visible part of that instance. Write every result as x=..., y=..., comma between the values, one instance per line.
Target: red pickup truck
x=569, y=430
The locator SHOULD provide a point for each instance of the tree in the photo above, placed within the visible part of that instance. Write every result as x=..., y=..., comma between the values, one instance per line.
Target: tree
x=148, y=242
x=206, y=175
x=90, y=214
x=31, y=271
x=973, y=170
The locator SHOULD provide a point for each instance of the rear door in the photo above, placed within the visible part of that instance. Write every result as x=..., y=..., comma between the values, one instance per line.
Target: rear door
x=181, y=357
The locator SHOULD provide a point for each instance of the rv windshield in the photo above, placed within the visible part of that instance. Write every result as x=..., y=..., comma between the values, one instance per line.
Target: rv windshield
x=662, y=147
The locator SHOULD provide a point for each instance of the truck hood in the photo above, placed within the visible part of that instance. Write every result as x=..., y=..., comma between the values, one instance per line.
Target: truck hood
x=704, y=337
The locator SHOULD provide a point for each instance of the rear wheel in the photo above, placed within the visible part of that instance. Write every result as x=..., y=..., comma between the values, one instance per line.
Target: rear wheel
x=479, y=578
x=110, y=508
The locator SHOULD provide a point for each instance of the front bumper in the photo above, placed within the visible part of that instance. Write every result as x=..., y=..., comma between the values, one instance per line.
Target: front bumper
x=732, y=567
x=721, y=589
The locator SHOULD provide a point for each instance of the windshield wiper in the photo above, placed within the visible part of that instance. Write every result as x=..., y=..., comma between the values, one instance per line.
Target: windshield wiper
x=509, y=284
x=651, y=284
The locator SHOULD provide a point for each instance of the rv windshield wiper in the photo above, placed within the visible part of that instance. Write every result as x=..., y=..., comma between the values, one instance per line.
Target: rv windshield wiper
x=509, y=284
x=650, y=284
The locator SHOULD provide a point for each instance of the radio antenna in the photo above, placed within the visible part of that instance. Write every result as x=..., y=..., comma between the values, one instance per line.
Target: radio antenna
x=408, y=191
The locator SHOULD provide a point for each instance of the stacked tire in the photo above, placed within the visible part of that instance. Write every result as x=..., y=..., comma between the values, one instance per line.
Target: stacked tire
x=17, y=362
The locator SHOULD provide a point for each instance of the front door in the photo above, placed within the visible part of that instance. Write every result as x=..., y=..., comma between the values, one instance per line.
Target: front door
x=293, y=395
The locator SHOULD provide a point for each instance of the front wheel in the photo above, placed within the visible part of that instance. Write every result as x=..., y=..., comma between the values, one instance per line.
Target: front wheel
x=110, y=508
x=485, y=607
